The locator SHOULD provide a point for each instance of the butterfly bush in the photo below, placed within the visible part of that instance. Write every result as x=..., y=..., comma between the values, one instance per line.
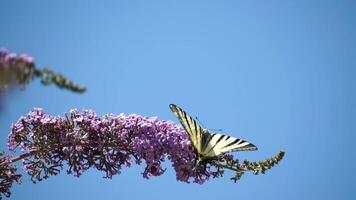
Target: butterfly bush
x=84, y=140
x=15, y=69
x=79, y=141
x=20, y=70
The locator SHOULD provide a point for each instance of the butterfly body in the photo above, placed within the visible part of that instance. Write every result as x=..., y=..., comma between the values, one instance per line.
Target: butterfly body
x=208, y=145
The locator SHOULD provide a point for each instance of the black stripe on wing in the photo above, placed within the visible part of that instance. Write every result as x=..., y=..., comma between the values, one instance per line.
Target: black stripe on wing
x=214, y=145
x=182, y=116
x=247, y=147
x=205, y=141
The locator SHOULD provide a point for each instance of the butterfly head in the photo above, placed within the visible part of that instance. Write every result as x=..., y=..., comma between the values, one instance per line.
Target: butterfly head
x=205, y=130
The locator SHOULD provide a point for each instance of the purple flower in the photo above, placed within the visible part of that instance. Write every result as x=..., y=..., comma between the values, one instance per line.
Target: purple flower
x=26, y=58
x=15, y=69
x=82, y=140
x=3, y=53
x=7, y=175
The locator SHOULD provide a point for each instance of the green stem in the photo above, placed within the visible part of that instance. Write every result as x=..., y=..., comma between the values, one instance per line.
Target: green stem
x=256, y=167
x=48, y=77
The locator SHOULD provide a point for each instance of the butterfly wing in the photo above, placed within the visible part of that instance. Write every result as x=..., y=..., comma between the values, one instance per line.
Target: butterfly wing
x=206, y=144
x=194, y=130
x=218, y=144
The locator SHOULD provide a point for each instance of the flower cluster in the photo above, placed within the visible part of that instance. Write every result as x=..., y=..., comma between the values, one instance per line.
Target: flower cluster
x=84, y=140
x=15, y=69
x=21, y=70
x=7, y=175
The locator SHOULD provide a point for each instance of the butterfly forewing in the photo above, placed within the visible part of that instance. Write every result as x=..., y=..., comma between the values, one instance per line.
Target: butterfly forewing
x=192, y=127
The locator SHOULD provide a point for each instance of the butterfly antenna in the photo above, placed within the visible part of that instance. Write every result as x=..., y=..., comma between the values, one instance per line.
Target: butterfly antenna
x=199, y=121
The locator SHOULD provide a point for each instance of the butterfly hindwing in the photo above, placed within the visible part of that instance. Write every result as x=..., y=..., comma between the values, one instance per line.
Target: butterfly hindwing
x=220, y=144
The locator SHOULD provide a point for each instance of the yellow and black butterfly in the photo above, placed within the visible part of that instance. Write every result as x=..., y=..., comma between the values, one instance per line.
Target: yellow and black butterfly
x=207, y=145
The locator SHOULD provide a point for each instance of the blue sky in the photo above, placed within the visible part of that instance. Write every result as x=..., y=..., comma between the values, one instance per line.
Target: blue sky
x=280, y=74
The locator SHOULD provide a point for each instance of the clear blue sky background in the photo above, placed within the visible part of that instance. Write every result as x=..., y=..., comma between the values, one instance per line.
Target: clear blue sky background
x=280, y=74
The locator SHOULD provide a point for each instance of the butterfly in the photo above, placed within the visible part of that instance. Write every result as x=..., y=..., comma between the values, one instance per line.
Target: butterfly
x=208, y=145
